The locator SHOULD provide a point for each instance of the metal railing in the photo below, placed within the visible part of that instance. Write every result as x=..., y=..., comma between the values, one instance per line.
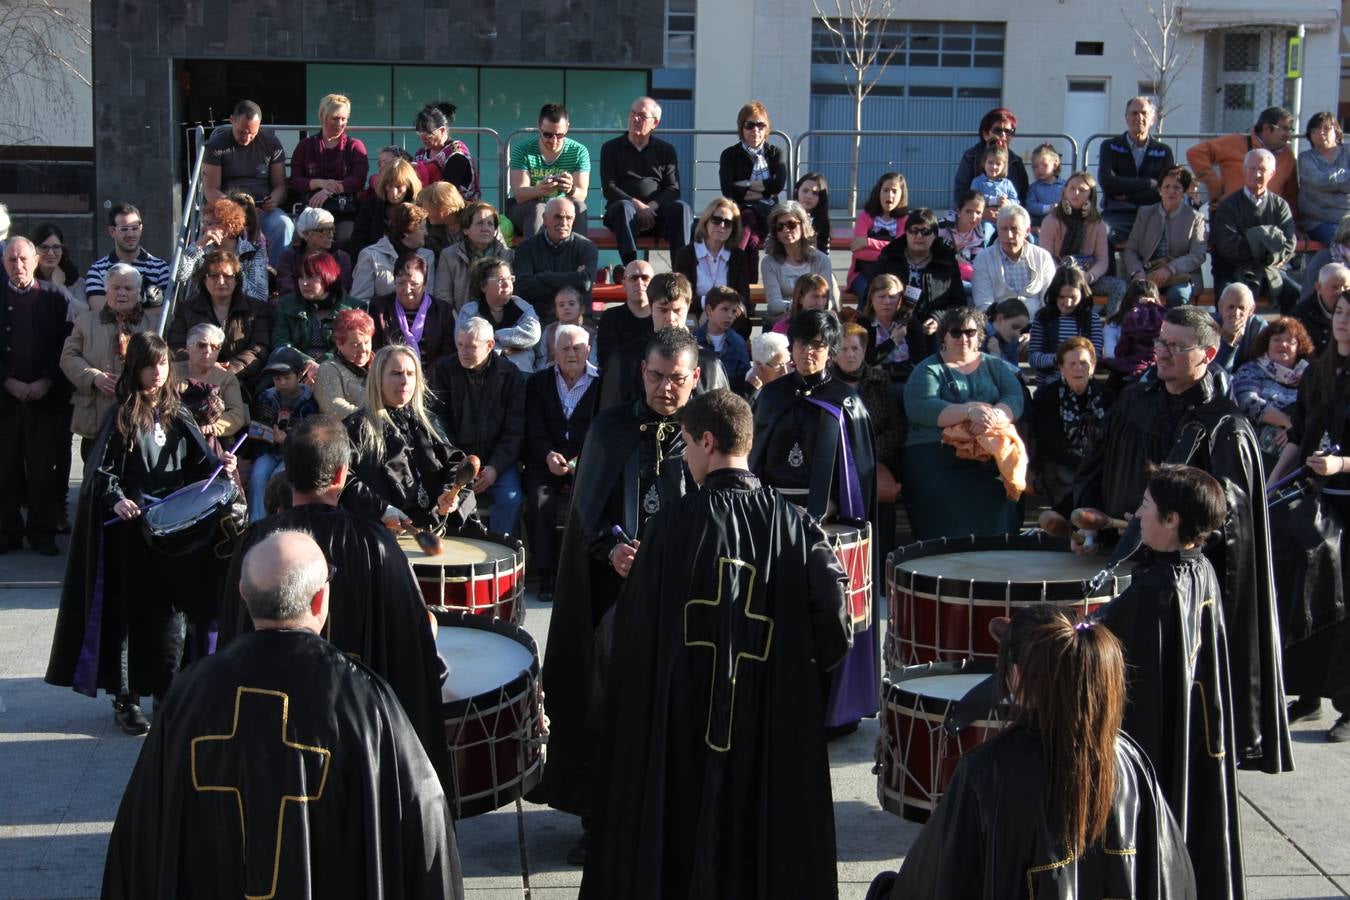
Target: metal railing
x=687, y=192
x=191, y=206
x=1179, y=143
x=930, y=176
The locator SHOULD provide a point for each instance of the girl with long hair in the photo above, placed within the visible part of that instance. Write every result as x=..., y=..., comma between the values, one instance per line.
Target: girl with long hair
x=881, y=220
x=402, y=463
x=1067, y=312
x=1061, y=804
x=120, y=626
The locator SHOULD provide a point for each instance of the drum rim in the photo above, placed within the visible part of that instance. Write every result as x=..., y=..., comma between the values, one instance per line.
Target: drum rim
x=450, y=617
x=516, y=560
x=899, y=579
x=477, y=804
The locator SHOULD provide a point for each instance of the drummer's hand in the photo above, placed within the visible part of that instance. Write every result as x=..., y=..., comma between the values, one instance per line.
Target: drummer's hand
x=1089, y=518
x=310, y=374
x=1326, y=465
x=447, y=503
x=396, y=521
x=621, y=558
x=126, y=509
x=1078, y=542
x=487, y=477
x=557, y=463
x=229, y=461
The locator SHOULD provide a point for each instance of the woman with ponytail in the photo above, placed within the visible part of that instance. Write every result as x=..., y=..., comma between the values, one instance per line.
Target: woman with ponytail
x=1060, y=805
x=119, y=628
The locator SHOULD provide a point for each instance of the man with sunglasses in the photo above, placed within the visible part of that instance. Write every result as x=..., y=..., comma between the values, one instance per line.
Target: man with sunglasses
x=547, y=165
x=641, y=179
x=127, y=230
x=1182, y=416
x=631, y=466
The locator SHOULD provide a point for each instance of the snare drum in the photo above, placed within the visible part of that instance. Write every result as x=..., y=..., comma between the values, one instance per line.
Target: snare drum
x=916, y=757
x=483, y=574
x=190, y=519
x=943, y=593
x=853, y=546
x=493, y=709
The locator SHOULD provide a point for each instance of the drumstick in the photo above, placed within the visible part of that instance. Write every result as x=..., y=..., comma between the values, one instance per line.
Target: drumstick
x=465, y=474
x=1299, y=472
x=429, y=542
x=221, y=468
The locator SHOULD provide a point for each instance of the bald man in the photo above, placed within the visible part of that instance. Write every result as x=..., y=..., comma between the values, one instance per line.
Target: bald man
x=295, y=765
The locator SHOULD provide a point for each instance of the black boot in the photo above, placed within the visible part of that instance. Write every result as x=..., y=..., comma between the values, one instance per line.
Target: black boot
x=1305, y=708
x=127, y=713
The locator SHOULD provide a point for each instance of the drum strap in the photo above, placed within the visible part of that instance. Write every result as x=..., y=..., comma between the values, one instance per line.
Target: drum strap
x=632, y=492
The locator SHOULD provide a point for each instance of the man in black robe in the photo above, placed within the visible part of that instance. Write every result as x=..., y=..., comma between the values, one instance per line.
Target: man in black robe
x=378, y=616
x=281, y=767
x=813, y=442
x=1180, y=708
x=1181, y=417
x=630, y=467
x=718, y=779
x=670, y=295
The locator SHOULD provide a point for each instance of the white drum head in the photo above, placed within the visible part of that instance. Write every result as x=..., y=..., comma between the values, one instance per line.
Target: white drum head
x=457, y=551
x=1022, y=566
x=942, y=687
x=479, y=661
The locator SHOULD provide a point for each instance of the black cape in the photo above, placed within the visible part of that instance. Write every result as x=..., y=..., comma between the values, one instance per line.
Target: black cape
x=376, y=614
x=211, y=810
x=621, y=381
x=90, y=662
x=718, y=781
x=617, y=484
x=1145, y=425
x=1180, y=707
x=991, y=837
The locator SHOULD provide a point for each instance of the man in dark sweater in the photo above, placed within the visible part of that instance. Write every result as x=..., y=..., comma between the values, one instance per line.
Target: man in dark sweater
x=482, y=410
x=555, y=258
x=641, y=181
x=1251, y=236
x=1130, y=168
x=34, y=402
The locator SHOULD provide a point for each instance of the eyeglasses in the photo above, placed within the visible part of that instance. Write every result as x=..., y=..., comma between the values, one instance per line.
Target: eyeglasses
x=786, y=225
x=224, y=275
x=205, y=345
x=656, y=378
x=813, y=346
x=1172, y=348
x=720, y=221
x=51, y=248
x=755, y=126
x=964, y=332
x=503, y=281
x=326, y=230
x=1003, y=131
x=921, y=232
x=638, y=277
x=552, y=135
x=641, y=117
x=128, y=229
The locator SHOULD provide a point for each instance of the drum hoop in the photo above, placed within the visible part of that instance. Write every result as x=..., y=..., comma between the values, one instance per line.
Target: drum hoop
x=1007, y=602
x=207, y=513
x=470, y=805
x=448, y=617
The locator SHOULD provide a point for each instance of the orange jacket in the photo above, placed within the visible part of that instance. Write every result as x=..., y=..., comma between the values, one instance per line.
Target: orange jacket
x=1218, y=163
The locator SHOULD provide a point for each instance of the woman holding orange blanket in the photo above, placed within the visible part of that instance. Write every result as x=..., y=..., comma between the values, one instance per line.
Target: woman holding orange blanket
x=947, y=496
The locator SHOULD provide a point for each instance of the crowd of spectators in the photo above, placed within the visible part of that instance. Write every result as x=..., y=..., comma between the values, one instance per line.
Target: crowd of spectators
x=1057, y=274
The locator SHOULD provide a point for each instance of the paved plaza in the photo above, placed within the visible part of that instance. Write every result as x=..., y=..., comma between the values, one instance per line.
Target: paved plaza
x=65, y=763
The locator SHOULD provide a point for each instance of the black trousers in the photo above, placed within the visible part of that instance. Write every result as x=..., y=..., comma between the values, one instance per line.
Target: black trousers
x=674, y=222
x=545, y=512
x=33, y=442
x=139, y=611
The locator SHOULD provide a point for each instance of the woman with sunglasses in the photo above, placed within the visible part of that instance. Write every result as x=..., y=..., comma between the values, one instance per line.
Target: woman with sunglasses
x=791, y=253
x=997, y=125
x=930, y=282
x=315, y=230
x=752, y=173
x=948, y=496
x=715, y=258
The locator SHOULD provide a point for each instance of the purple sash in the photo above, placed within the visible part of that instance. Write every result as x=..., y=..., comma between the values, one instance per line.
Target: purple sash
x=850, y=489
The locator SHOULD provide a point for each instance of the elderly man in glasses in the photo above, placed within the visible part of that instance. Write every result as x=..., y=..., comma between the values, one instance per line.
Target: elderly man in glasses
x=641, y=180
x=547, y=165
x=1182, y=417
x=1218, y=162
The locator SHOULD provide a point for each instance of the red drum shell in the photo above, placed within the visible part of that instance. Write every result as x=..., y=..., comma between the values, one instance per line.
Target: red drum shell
x=495, y=737
x=916, y=758
x=482, y=573
x=853, y=546
x=942, y=594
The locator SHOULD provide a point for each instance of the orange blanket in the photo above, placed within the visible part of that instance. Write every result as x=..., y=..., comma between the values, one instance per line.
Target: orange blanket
x=1003, y=445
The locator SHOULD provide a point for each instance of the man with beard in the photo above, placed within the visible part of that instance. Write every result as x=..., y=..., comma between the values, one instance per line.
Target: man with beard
x=734, y=609
x=631, y=466
x=1182, y=417
x=378, y=616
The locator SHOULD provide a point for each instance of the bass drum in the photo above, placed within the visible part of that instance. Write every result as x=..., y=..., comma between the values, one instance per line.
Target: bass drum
x=480, y=572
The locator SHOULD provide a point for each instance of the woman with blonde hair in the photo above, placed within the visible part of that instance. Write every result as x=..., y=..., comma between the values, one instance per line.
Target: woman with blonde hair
x=443, y=203
x=1074, y=233
x=789, y=253
x=397, y=183
x=715, y=258
x=329, y=168
x=403, y=466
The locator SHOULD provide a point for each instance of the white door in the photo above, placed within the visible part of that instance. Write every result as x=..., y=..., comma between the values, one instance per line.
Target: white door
x=1085, y=112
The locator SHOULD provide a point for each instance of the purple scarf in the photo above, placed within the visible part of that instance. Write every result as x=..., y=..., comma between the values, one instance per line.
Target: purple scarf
x=413, y=336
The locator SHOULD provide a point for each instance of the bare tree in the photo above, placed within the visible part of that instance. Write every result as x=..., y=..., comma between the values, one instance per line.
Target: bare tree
x=857, y=28
x=1160, y=50
x=44, y=50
